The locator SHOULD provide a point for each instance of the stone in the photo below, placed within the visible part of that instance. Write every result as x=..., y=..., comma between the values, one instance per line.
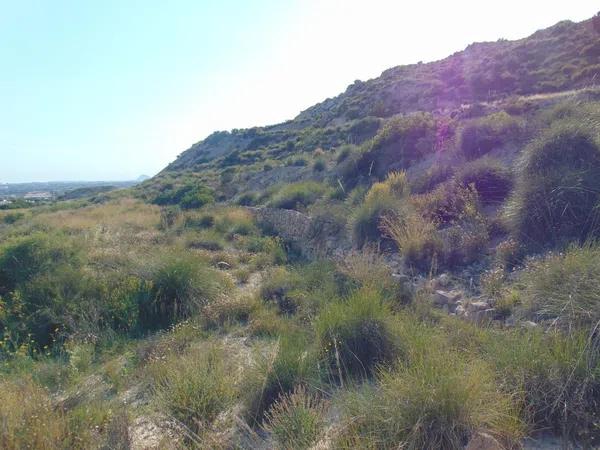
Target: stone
x=460, y=310
x=442, y=298
x=483, y=316
x=441, y=282
x=529, y=324
x=477, y=306
x=483, y=441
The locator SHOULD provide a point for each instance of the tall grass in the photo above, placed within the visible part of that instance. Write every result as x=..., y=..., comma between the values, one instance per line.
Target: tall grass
x=290, y=364
x=354, y=335
x=564, y=288
x=558, y=184
x=436, y=400
x=195, y=387
x=296, y=420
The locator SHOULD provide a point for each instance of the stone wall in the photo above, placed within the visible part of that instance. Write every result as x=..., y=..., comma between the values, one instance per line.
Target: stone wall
x=312, y=238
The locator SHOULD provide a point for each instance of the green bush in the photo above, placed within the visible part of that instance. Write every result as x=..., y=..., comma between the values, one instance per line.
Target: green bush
x=179, y=286
x=558, y=187
x=290, y=364
x=492, y=180
x=437, y=400
x=482, y=135
x=564, y=287
x=298, y=195
x=354, y=336
x=24, y=258
x=187, y=196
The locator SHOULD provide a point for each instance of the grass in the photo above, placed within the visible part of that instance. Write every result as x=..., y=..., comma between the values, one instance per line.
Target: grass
x=178, y=287
x=296, y=420
x=28, y=418
x=435, y=400
x=289, y=365
x=195, y=387
x=556, y=195
x=491, y=179
x=354, y=336
x=298, y=195
x=483, y=135
x=564, y=288
x=381, y=200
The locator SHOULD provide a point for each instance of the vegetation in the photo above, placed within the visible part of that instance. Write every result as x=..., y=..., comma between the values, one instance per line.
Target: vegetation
x=435, y=285
x=556, y=197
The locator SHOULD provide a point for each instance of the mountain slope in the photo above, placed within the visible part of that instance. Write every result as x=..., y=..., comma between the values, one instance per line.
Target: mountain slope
x=563, y=57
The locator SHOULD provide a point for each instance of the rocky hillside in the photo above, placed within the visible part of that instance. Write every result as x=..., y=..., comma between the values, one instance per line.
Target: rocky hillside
x=563, y=57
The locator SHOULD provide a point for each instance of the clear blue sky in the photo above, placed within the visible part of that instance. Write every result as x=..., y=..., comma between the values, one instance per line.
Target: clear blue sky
x=109, y=90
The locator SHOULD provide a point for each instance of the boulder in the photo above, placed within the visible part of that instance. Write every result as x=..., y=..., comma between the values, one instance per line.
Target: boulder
x=441, y=298
x=483, y=315
x=441, y=282
x=477, y=306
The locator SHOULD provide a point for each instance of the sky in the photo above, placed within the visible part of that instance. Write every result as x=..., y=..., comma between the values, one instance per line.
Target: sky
x=112, y=89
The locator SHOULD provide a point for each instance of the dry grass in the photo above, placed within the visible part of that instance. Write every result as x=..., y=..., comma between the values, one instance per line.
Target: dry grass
x=28, y=419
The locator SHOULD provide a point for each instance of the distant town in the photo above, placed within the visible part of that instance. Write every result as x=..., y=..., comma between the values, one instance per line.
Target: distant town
x=42, y=192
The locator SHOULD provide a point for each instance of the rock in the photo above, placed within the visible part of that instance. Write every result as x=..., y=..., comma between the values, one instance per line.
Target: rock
x=460, y=310
x=529, y=324
x=441, y=282
x=223, y=265
x=401, y=278
x=483, y=441
x=441, y=298
x=477, y=306
x=483, y=316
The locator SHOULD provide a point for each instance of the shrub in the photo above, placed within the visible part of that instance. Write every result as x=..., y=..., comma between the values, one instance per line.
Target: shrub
x=416, y=238
x=401, y=141
x=383, y=199
x=210, y=240
x=438, y=399
x=556, y=196
x=288, y=366
x=22, y=259
x=187, y=196
x=319, y=165
x=232, y=221
x=178, y=287
x=432, y=177
x=12, y=218
x=564, y=287
x=354, y=336
x=482, y=135
x=278, y=288
x=298, y=195
x=195, y=387
x=247, y=199
x=296, y=420
x=492, y=181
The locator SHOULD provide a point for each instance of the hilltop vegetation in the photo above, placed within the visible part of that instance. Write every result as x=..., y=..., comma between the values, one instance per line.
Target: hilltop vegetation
x=413, y=264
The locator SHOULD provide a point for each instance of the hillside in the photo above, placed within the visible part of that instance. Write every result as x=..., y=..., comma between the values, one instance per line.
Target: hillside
x=561, y=58
x=413, y=264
